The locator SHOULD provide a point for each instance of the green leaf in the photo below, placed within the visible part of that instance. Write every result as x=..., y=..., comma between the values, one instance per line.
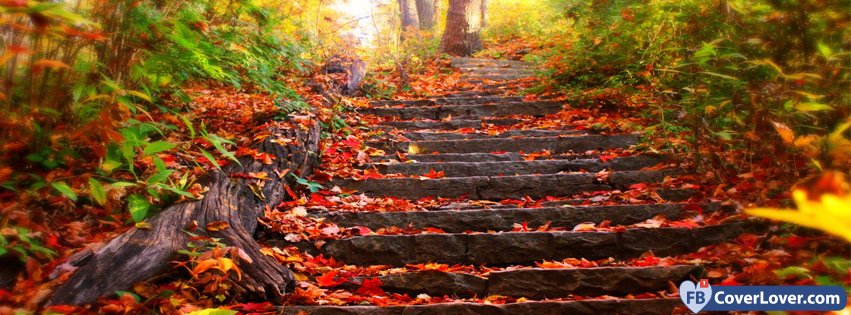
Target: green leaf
x=176, y=190
x=798, y=272
x=122, y=184
x=97, y=192
x=812, y=107
x=138, y=207
x=134, y=295
x=839, y=264
x=720, y=75
x=157, y=147
x=188, y=125
x=218, y=143
x=65, y=190
x=213, y=311
x=312, y=186
x=159, y=177
x=210, y=158
x=825, y=50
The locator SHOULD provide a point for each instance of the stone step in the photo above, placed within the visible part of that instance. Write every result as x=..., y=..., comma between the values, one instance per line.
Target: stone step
x=448, y=125
x=504, y=219
x=478, y=157
x=667, y=194
x=497, y=71
x=554, y=283
x=457, y=157
x=466, y=169
x=512, y=248
x=555, y=145
x=475, y=100
x=606, y=306
x=480, y=62
x=536, y=283
x=537, y=108
x=476, y=78
x=480, y=91
x=430, y=135
x=501, y=187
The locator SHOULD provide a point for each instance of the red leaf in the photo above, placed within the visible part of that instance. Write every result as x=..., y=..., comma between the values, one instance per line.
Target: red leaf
x=328, y=279
x=370, y=287
x=352, y=142
x=796, y=242
x=607, y=157
x=638, y=186
x=256, y=307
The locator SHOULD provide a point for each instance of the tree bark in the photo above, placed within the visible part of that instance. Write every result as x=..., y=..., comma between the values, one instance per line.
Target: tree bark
x=140, y=254
x=426, y=12
x=410, y=19
x=484, y=14
x=462, y=36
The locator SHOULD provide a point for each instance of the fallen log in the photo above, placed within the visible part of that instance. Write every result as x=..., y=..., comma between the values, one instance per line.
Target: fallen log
x=140, y=254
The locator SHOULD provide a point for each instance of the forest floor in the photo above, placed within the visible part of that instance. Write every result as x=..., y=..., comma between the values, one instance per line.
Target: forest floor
x=468, y=195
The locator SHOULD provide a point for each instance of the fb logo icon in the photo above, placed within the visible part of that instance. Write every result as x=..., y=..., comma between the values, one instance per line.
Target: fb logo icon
x=695, y=297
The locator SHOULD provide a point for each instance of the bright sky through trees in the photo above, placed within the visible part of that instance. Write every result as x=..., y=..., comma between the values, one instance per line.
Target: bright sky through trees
x=360, y=12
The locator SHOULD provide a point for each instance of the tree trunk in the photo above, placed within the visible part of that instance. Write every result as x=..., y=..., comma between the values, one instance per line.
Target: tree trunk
x=484, y=14
x=140, y=254
x=426, y=12
x=410, y=19
x=462, y=36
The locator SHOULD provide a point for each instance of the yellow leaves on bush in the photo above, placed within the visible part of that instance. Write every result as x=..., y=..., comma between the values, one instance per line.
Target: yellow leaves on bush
x=833, y=149
x=825, y=206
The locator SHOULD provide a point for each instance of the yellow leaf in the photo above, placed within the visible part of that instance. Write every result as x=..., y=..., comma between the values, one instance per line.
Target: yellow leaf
x=227, y=264
x=831, y=214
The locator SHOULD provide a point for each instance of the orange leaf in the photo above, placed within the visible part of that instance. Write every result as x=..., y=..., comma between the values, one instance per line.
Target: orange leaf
x=203, y=266
x=216, y=226
x=49, y=63
x=785, y=132
x=433, y=175
x=266, y=158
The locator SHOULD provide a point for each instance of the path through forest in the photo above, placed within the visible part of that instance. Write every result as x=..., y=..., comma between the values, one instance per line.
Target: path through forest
x=444, y=158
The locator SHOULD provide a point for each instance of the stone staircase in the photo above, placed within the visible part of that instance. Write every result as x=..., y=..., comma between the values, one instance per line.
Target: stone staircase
x=481, y=166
